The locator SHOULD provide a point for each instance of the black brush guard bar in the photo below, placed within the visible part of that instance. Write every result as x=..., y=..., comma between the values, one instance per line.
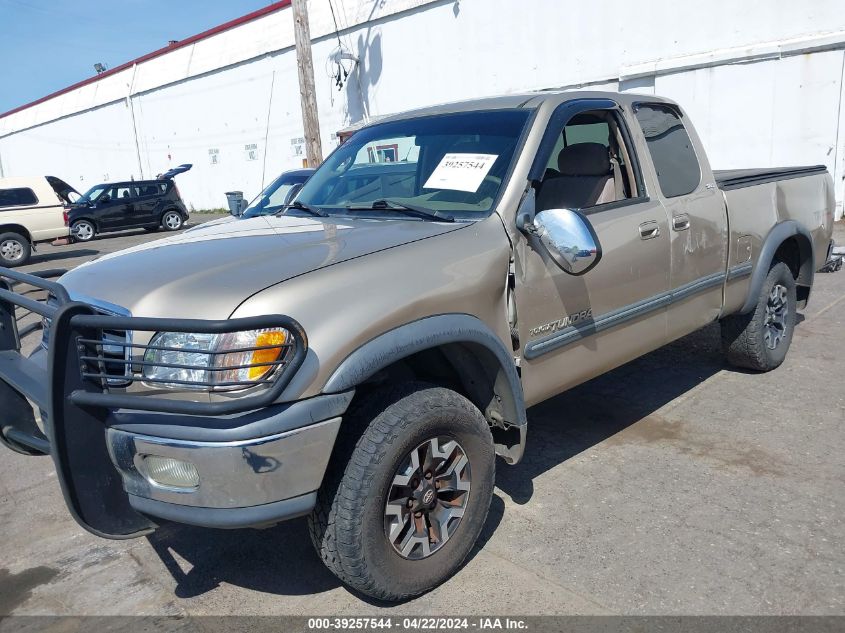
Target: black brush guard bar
x=77, y=408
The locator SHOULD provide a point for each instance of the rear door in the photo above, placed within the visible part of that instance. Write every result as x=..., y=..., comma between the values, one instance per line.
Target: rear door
x=698, y=216
x=572, y=328
x=146, y=202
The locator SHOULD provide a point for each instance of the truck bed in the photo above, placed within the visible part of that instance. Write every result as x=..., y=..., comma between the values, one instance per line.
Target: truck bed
x=738, y=178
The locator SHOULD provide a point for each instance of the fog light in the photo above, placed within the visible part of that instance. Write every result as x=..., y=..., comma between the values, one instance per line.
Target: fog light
x=175, y=473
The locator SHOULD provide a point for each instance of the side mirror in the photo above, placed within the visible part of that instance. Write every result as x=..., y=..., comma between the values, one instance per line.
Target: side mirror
x=568, y=237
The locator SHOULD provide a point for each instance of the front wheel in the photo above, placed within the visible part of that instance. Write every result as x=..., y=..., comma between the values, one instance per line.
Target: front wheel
x=172, y=221
x=401, y=507
x=14, y=249
x=83, y=231
x=760, y=339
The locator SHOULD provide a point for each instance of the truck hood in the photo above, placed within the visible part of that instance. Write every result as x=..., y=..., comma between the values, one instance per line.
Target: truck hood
x=207, y=271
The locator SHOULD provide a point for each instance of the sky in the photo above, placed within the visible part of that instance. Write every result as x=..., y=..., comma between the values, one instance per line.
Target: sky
x=47, y=45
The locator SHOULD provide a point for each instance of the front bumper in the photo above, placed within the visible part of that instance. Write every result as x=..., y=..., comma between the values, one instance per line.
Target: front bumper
x=257, y=461
x=241, y=483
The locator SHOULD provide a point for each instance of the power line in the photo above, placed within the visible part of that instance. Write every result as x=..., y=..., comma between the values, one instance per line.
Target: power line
x=336, y=29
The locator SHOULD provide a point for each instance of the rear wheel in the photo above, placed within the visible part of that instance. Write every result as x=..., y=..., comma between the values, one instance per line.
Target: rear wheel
x=83, y=230
x=172, y=221
x=760, y=339
x=14, y=249
x=401, y=507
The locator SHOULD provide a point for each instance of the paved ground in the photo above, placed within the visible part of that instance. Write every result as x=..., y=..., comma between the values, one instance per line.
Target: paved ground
x=673, y=485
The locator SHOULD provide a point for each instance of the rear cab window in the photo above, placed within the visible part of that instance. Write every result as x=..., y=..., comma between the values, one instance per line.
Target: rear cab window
x=671, y=149
x=17, y=197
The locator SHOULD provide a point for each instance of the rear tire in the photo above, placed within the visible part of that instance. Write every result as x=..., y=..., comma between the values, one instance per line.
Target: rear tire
x=358, y=534
x=172, y=221
x=14, y=250
x=83, y=231
x=760, y=339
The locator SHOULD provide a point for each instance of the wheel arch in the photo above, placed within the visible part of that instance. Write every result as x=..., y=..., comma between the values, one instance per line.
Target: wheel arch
x=455, y=350
x=169, y=209
x=16, y=228
x=791, y=243
x=87, y=218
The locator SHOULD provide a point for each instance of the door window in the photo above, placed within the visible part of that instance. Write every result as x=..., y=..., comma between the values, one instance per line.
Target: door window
x=17, y=197
x=671, y=149
x=123, y=193
x=589, y=166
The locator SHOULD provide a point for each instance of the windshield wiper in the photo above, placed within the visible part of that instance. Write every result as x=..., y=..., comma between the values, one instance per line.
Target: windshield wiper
x=402, y=207
x=300, y=206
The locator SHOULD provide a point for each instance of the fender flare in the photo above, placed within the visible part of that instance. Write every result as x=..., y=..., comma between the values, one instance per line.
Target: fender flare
x=776, y=236
x=431, y=332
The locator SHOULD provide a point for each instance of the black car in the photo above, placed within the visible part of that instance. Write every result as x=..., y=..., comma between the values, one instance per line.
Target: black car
x=116, y=206
x=278, y=193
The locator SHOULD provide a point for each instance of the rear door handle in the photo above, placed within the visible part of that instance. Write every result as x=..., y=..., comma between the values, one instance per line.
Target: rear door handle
x=649, y=230
x=680, y=222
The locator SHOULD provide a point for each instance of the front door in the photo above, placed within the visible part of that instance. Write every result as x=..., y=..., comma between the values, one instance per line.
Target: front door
x=115, y=213
x=572, y=328
x=698, y=218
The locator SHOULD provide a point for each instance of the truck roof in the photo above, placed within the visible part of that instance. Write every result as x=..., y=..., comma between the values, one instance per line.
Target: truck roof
x=529, y=100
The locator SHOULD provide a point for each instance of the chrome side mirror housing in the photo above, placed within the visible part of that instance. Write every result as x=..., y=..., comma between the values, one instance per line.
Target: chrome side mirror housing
x=568, y=238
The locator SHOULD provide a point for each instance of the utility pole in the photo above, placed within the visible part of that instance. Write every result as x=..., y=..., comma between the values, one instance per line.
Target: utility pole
x=308, y=97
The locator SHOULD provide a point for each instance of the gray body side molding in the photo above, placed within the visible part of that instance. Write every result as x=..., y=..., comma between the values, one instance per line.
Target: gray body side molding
x=429, y=333
x=780, y=232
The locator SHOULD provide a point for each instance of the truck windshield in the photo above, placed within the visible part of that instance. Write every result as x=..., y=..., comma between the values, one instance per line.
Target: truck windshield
x=278, y=193
x=452, y=163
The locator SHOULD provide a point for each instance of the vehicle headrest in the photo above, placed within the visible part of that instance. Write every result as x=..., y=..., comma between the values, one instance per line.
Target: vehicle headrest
x=584, y=159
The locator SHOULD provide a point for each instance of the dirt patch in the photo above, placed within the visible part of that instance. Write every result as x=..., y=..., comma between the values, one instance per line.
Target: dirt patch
x=687, y=440
x=15, y=589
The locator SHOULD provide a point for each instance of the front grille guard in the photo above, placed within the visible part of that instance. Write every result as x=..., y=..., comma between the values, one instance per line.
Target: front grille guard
x=77, y=400
x=84, y=332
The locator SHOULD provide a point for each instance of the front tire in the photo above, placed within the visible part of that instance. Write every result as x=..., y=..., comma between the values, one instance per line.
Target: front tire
x=14, y=249
x=406, y=493
x=172, y=221
x=83, y=231
x=760, y=339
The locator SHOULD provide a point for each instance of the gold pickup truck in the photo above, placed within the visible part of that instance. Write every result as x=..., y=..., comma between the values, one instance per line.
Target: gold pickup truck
x=362, y=355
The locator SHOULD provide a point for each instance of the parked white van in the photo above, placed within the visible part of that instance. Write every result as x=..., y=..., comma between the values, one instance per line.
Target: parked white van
x=32, y=210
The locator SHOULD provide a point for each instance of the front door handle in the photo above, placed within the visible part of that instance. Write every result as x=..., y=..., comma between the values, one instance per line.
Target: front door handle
x=680, y=222
x=649, y=230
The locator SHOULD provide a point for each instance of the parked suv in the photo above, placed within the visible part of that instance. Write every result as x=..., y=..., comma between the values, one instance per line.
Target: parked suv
x=117, y=206
x=31, y=211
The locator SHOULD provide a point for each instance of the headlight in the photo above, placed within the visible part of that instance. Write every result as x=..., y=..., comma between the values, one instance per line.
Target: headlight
x=216, y=361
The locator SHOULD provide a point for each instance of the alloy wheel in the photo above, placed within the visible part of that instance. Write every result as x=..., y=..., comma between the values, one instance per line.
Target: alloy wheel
x=172, y=221
x=11, y=250
x=83, y=231
x=427, y=498
x=777, y=309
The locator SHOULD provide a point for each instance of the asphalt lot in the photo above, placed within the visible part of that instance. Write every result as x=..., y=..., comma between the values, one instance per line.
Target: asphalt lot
x=672, y=485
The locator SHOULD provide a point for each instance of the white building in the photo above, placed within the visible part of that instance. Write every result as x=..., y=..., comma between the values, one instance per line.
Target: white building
x=764, y=81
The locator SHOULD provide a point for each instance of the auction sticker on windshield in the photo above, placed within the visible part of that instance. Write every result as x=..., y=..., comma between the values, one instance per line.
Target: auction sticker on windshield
x=461, y=172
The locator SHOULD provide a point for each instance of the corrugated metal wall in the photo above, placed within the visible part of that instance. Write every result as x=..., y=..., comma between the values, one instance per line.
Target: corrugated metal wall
x=763, y=81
